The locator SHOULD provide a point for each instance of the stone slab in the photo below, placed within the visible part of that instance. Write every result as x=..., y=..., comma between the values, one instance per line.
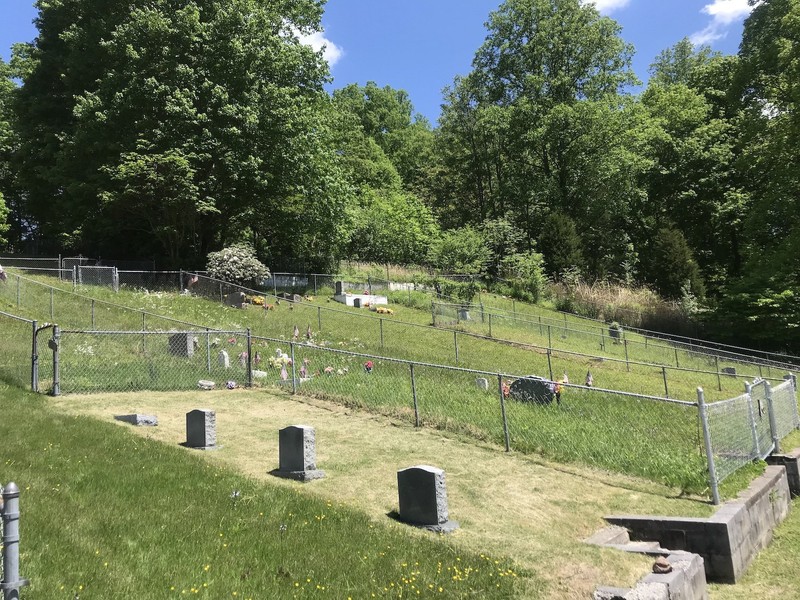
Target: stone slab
x=138, y=420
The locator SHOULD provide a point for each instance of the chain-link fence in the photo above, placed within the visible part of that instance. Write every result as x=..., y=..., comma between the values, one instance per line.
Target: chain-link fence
x=16, y=348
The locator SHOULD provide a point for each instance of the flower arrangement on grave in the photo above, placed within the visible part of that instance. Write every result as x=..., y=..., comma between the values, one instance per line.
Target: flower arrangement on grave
x=368, y=366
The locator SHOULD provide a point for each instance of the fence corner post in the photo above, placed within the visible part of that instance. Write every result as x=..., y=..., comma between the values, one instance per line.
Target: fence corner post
x=294, y=369
x=250, y=358
x=34, y=360
x=712, y=470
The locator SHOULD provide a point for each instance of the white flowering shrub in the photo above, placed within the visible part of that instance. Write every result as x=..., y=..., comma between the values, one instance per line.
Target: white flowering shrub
x=236, y=264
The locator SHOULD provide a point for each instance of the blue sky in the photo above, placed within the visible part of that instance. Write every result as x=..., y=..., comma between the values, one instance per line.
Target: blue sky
x=421, y=45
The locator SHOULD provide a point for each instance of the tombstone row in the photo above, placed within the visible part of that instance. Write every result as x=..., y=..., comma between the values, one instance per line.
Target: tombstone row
x=421, y=489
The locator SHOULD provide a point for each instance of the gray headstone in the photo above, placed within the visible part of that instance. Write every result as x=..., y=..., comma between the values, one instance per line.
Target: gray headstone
x=138, y=420
x=356, y=302
x=728, y=371
x=532, y=389
x=423, y=498
x=235, y=299
x=181, y=344
x=340, y=288
x=463, y=314
x=223, y=359
x=482, y=383
x=298, y=453
x=201, y=429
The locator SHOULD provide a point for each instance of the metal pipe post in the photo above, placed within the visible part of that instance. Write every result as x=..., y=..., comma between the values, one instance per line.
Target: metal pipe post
x=52, y=306
x=294, y=368
x=712, y=470
x=666, y=389
x=319, y=318
x=490, y=324
x=627, y=362
x=719, y=379
x=455, y=343
x=208, y=349
x=773, y=425
x=752, y=416
x=381, y=325
x=11, y=581
x=54, y=343
x=503, y=412
x=414, y=395
x=250, y=359
x=93, y=326
x=549, y=364
x=34, y=362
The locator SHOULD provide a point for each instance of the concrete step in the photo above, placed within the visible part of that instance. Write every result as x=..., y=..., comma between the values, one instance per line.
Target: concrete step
x=614, y=534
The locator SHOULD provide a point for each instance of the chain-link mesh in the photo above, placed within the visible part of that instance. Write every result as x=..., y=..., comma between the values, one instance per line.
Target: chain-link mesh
x=758, y=396
x=645, y=436
x=152, y=281
x=784, y=404
x=103, y=361
x=16, y=345
x=739, y=433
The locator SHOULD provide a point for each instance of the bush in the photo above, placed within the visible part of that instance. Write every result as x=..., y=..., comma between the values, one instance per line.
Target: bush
x=237, y=264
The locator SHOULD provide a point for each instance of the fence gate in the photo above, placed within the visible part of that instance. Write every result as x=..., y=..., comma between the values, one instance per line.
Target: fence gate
x=43, y=359
x=760, y=411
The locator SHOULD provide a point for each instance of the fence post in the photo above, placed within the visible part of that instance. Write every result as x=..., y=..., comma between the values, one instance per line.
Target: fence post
x=549, y=364
x=74, y=277
x=483, y=316
x=221, y=299
x=369, y=284
x=208, y=349
x=180, y=283
x=17, y=291
x=93, y=326
x=294, y=367
x=719, y=379
x=54, y=344
x=795, y=414
x=433, y=312
x=381, y=325
x=144, y=335
x=490, y=324
x=677, y=363
x=752, y=416
x=250, y=359
x=712, y=471
x=627, y=363
x=52, y=306
x=34, y=361
x=414, y=395
x=11, y=580
x=319, y=318
x=503, y=411
x=666, y=389
x=773, y=426
x=549, y=339
x=455, y=343
x=540, y=325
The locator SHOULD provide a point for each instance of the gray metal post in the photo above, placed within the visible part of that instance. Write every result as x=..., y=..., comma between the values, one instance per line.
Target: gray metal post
x=455, y=343
x=319, y=318
x=414, y=395
x=490, y=324
x=11, y=581
x=503, y=411
x=221, y=299
x=17, y=291
x=208, y=349
x=144, y=335
x=181, y=281
x=34, y=362
x=315, y=284
x=250, y=359
x=627, y=363
x=549, y=364
x=712, y=470
x=54, y=343
x=381, y=325
x=74, y=277
x=294, y=368
x=52, y=306
x=752, y=416
x=773, y=426
x=549, y=338
x=433, y=313
x=677, y=363
x=719, y=379
x=93, y=326
x=795, y=414
x=666, y=389
x=540, y=325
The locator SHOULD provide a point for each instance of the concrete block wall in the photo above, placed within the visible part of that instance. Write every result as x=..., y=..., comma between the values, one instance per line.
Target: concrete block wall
x=687, y=581
x=791, y=462
x=730, y=539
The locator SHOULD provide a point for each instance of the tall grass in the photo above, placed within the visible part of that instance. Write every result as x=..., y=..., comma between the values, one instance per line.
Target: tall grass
x=107, y=514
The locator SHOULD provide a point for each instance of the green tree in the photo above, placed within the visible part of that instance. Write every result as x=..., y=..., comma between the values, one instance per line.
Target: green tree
x=223, y=96
x=561, y=245
x=461, y=251
x=672, y=266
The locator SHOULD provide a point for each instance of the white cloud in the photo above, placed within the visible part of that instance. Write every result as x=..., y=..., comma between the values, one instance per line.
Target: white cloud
x=317, y=40
x=607, y=6
x=722, y=13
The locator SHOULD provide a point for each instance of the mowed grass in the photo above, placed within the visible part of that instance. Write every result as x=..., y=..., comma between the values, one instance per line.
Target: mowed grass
x=108, y=514
x=644, y=437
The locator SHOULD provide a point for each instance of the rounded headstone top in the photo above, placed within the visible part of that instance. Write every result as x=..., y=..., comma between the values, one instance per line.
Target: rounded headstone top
x=10, y=489
x=428, y=468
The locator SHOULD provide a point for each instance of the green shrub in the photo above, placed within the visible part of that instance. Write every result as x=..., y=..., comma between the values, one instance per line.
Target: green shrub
x=237, y=264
